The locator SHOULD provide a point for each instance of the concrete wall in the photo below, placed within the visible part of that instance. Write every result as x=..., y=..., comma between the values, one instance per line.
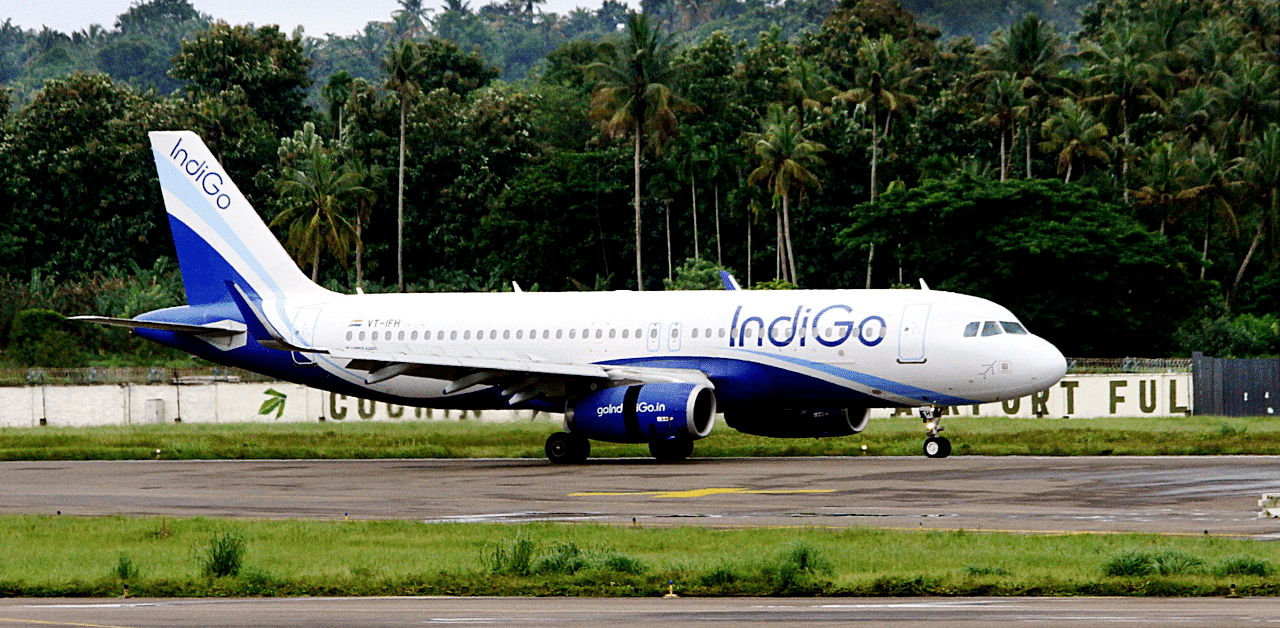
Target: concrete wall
x=1077, y=396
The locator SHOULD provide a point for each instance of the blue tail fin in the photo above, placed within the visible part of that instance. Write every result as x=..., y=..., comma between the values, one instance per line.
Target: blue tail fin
x=218, y=235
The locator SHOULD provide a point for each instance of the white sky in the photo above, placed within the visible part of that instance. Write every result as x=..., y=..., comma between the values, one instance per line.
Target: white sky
x=318, y=17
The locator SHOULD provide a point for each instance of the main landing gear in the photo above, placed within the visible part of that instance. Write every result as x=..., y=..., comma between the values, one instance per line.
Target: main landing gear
x=567, y=448
x=934, y=446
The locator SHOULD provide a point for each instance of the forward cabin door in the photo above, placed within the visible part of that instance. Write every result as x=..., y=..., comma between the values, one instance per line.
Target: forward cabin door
x=915, y=319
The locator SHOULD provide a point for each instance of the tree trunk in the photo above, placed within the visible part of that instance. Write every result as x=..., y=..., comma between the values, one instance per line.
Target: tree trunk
x=1124, y=160
x=359, y=256
x=670, y=275
x=315, y=264
x=748, y=248
x=636, y=168
x=404, y=110
x=1253, y=246
x=871, y=255
x=1028, y=150
x=786, y=235
x=1004, y=159
x=719, y=259
x=779, y=268
x=693, y=189
x=875, y=153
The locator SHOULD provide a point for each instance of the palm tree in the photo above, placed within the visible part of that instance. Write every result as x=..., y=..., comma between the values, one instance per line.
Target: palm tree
x=787, y=161
x=1031, y=51
x=316, y=195
x=1262, y=170
x=692, y=162
x=1075, y=135
x=633, y=99
x=883, y=82
x=1120, y=77
x=1167, y=174
x=1001, y=105
x=1216, y=179
x=402, y=65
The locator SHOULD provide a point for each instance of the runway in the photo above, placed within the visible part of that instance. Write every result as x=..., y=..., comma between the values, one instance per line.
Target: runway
x=586, y=612
x=1169, y=495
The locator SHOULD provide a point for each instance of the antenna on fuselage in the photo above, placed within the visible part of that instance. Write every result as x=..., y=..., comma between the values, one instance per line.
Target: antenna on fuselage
x=923, y=285
x=515, y=286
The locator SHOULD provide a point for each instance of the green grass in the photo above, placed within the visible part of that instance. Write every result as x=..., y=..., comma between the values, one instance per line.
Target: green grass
x=464, y=439
x=66, y=556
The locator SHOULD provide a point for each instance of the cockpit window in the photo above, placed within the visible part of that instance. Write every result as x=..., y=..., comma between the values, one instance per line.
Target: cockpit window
x=971, y=329
x=1011, y=327
x=991, y=328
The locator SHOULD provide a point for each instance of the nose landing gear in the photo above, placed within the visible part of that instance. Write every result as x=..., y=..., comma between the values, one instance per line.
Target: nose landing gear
x=934, y=446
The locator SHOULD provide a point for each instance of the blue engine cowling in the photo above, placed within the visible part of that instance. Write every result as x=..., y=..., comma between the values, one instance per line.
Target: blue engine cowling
x=643, y=413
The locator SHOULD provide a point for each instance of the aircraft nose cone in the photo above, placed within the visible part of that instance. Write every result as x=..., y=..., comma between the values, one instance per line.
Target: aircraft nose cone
x=1048, y=365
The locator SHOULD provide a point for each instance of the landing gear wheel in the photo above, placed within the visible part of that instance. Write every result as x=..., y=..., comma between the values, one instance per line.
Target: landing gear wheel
x=937, y=447
x=566, y=448
x=672, y=449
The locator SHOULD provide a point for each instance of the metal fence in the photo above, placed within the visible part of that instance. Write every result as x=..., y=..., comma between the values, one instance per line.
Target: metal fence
x=1082, y=366
x=1236, y=387
x=126, y=375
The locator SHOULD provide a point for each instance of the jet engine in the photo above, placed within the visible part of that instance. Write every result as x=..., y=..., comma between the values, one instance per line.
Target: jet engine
x=792, y=423
x=644, y=413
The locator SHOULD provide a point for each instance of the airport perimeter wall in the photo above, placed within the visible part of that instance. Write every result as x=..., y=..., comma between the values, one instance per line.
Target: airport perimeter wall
x=1076, y=396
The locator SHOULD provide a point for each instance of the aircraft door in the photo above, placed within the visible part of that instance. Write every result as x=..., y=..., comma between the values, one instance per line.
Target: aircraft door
x=304, y=331
x=915, y=319
x=655, y=336
x=673, y=341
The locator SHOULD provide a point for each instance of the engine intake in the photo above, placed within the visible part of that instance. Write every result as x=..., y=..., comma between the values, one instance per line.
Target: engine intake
x=792, y=423
x=643, y=413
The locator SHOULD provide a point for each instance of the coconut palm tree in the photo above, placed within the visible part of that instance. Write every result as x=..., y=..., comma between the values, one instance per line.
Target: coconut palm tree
x=1031, y=52
x=633, y=99
x=1075, y=135
x=787, y=161
x=316, y=195
x=402, y=65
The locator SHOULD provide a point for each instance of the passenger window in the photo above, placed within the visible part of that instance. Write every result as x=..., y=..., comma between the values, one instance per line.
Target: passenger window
x=362, y=335
x=573, y=334
x=693, y=333
x=401, y=335
x=721, y=332
x=348, y=335
x=440, y=335
x=414, y=335
x=493, y=334
x=991, y=328
x=971, y=329
x=639, y=334
x=506, y=334
x=375, y=335
x=546, y=334
x=1011, y=327
x=708, y=332
x=675, y=332
x=613, y=333
x=653, y=333
x=626, y=333
x=599, y=333
x=466, y=335
x=453, y=335
x=519, y=334
x=559, y=334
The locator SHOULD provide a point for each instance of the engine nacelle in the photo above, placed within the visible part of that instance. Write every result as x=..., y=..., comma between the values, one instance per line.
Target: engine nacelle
x=790, y=423
x=643, y=413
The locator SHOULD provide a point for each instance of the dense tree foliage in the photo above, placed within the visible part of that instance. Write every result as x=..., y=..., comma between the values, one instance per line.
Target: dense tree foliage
x=1107, y=170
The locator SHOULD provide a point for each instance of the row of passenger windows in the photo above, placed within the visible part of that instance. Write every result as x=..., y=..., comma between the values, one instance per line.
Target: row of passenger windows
x=559, y=334
x=994, y=328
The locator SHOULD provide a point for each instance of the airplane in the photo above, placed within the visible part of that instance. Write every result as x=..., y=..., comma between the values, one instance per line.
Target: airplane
x=622, y=366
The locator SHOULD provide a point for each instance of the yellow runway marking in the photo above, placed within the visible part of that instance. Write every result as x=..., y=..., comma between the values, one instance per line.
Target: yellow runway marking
x=703, y=492
x=36, y=622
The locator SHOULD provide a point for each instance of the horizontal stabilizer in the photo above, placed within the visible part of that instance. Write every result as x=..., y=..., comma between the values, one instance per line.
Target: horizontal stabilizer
x=211, y=330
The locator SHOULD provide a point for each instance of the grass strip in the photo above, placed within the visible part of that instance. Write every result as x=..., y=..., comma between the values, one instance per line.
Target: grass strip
x=101, y=556
x=468, y=439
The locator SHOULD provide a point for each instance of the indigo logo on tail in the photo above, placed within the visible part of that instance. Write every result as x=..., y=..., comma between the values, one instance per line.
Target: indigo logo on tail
x=206, y=179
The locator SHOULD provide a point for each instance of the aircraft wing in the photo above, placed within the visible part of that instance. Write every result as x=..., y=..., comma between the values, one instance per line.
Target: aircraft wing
x=218, y=329
x=523, y=377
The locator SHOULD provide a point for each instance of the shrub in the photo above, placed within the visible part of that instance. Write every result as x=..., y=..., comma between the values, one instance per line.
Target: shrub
x=564, y=559
x=514, y=557
x=1244, y=566
x=38, y=339
x=1177, y=563
x=976, y=570
x=224, y=556
x=125, y=569
x=1129, y=564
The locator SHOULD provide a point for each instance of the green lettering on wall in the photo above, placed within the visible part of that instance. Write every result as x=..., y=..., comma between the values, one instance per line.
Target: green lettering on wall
x=1117, y=399
x=1011, y=406
x=975, y=409
x=1040, y=403
x=1070, y=387
x=395, y=412
x=336, y=413
x=1143, y=405
x=366, y=414
x=1174, y=408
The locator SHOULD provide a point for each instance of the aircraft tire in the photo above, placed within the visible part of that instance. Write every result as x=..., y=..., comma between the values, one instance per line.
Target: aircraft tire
x=937, y=447
x=672, y=449
x=566, y=448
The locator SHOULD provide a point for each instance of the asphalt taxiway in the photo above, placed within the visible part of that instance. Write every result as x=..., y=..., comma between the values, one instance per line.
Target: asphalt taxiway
x=1170, y=495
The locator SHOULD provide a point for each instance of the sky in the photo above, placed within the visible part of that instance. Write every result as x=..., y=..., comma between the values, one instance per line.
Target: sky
x=318, y=17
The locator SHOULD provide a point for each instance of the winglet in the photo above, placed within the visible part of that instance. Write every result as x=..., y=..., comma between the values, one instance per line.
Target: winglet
x=259, y=327
x=729, y=282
